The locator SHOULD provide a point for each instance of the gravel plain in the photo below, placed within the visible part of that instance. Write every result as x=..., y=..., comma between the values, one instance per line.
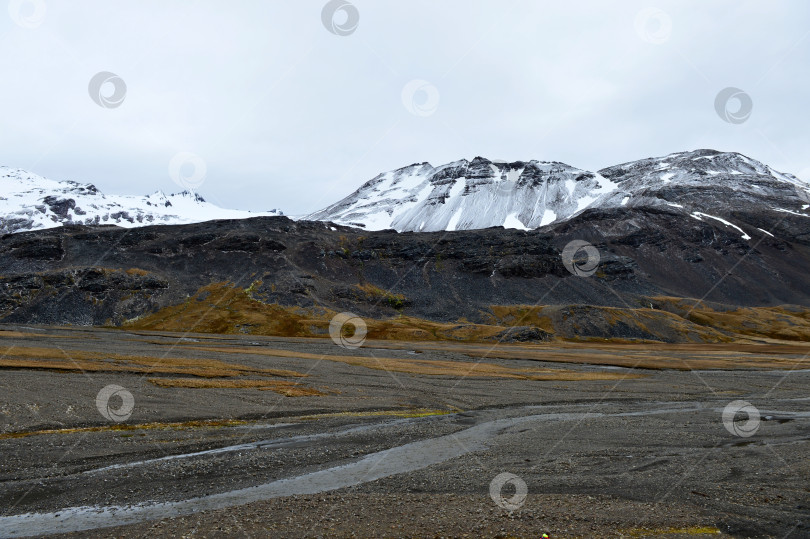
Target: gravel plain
x=397, y=454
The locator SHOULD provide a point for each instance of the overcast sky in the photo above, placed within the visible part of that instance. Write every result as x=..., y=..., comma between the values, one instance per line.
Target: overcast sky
x=288, y=113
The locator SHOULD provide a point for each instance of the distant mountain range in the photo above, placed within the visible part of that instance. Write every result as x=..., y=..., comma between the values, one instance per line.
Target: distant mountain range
x=31, y=202
x=462, y=195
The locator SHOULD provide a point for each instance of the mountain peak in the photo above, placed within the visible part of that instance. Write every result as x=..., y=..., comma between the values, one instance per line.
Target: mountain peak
x=469, y=194
x=483, y=192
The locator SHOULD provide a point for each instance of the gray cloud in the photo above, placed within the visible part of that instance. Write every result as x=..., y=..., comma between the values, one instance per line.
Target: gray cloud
x=287, y=114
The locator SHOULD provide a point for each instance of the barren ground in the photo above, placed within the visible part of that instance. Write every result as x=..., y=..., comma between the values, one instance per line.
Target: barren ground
x=257, y=436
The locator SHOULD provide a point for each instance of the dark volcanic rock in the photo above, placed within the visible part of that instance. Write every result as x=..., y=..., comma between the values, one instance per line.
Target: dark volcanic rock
x=39, y=247
x=522, y=334
x=79, y=275
x=60, y=206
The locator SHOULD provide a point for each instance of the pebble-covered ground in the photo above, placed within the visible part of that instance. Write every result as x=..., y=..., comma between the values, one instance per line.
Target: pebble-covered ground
x=398, y=454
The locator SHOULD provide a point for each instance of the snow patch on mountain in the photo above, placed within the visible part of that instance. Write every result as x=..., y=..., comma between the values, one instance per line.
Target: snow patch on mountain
x=698, y=215
x=512, y=221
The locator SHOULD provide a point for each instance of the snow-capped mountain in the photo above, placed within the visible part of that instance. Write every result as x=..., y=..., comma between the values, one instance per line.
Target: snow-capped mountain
x=528, y=195
x=466, y=195
x=30, y=202
x=703, y=179
x=463, y=195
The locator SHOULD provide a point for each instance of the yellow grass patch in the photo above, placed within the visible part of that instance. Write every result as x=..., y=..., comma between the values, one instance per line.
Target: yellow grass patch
x=643, y=356
x=428, y=367
x=180, y=425
x=663, y=532
x=283, y=387
x=783, y=323
x=658, y=324
x=209, y=373
x=9, y=334
x=23, y=357
x=14, y=334
x=226, y=309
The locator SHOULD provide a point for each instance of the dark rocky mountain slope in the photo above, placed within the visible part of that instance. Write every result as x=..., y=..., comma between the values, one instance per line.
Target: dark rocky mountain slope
x=109, y=275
